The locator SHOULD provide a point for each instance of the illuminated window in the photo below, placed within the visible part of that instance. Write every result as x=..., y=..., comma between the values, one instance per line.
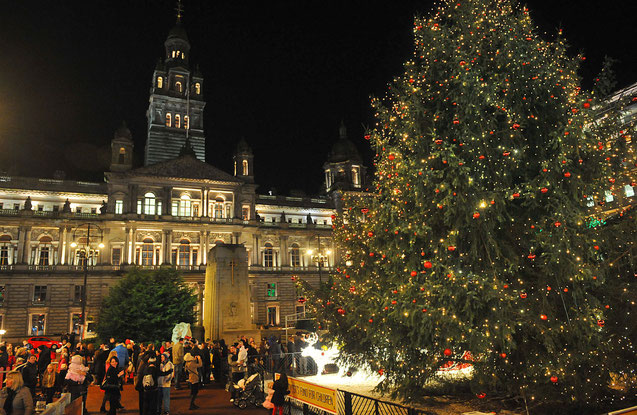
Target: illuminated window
x=219, y=207
x=168, y=120
x=184, y=206
x=38, y=324
x=271, y=290
x=177, y=121
x=122, y=155
x=186, y=122
x=6, y=250
x=149, y=203
x=183, y=56
x=295, y=255
x=245, y=167
x=629, y=191
x=119, y=207
x=184, y=252
x=160, y=82
x=356, y=176
x=198, y=88
x=273, y=315
x=268, y=255
x=147, y=252
x=44, y=250
x=116, y=256
x=245, y=212
x=178, y=86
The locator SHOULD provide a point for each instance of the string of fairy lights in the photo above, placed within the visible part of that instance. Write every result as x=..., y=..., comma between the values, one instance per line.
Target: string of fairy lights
x=475, y=237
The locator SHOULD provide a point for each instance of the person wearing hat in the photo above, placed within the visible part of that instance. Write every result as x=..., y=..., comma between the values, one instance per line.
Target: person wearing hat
x=192, y=365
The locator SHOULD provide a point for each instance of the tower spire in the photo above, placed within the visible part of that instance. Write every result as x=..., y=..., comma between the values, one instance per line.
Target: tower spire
x=180, y=10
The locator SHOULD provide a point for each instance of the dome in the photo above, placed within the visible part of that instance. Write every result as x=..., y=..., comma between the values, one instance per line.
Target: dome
x=243, y=147
x=344, y=150
x=123, y=132
x=178, y=32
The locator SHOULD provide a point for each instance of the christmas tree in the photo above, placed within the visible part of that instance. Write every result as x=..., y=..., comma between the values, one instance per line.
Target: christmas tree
x=475, y=246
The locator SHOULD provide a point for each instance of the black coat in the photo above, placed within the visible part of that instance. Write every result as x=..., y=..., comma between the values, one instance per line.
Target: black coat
x=111, y=381
x=30, y=374
x=44, y=358
x=280, y=388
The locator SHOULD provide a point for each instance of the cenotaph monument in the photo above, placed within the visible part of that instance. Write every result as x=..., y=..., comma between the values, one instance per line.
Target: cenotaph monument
x=226, y=303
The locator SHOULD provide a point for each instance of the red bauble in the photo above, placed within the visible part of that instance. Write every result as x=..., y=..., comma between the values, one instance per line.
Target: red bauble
x=516, y=195
x=476, y=215
x=364, y=210
x=554, y=379
x=587, y=105
x=506, y=153
x=381, y=371
x=371, y=320
x=543, y=317
x=481, y=157
x=612, y=180
x=596, y=247
x=370, y=234
x=544, y=190
x=481, y=395
x=428, y=264
x=516, y=126
x=558, y=224
x=503, y=355
x=391, y=157
x=438, y=141
x=451, y=248
x=302, y=300
x=522, y=295
x=601, y=323
x=367, y=137
x=413, y=273
x=447, y=352
x=531, y=256
x=567, y=174
x=456, y=122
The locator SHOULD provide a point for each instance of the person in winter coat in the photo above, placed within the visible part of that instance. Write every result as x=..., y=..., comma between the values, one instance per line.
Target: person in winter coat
x=4, y=361
x=30, y=374
x=205, y=361
x=16, y=396
x=178, y=361
x=75, y=378
x=99, y=363
x=164, y=384
x=192, y=365
x=112, y=385
x=280, y=387
x=50, y=382
x=122, y=355
x=141, y=367
x=44, y=358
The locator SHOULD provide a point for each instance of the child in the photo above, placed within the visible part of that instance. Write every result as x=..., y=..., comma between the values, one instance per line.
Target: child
x=49, y=382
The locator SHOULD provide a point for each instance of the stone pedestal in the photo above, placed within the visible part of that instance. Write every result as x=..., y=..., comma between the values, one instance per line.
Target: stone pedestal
x=226, y=304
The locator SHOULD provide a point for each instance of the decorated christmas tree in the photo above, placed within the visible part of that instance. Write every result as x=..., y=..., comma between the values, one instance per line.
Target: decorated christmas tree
x=475, y=245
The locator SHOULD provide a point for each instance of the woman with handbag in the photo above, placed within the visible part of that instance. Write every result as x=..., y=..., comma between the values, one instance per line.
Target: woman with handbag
x=111, y=385
x=193, y=363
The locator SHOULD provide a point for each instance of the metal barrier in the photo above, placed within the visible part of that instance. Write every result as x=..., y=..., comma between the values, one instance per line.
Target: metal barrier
x=58, y=407
x=293, y=364
x=350, y=403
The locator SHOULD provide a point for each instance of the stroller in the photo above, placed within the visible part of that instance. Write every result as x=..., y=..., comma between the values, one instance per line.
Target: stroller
x=247, y=392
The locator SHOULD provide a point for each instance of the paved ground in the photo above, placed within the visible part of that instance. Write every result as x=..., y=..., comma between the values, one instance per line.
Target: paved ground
x=211, y=400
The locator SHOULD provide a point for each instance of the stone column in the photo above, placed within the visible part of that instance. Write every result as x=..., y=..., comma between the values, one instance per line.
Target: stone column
x=204, y=201
x=167, y=245
x=255, y=250
x=284, y=251
x=62, y=245
x=168, y=200
x=22, y=234
x=203, y=247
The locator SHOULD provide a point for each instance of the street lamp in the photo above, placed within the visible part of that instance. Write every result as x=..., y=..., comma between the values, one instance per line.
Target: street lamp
x=2, y=333
x=82, y=236
x=319, y=257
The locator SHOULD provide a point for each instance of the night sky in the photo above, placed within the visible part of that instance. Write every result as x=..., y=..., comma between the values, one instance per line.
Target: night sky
x=282, y=74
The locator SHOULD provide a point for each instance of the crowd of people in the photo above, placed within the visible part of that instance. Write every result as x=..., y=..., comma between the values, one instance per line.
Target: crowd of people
x=152, y=369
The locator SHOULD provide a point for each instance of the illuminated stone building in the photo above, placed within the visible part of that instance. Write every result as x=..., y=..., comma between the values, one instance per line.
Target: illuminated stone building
x=169, y=212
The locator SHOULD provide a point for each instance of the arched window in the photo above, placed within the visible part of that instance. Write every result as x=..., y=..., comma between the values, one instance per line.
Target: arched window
x=5, y=249
x=174, y=53
x=178, y=86
x=184, y=206
x=268, y=255
x=160, y=82
x=219, y=207
x=149, y=203
x=295, y=255
x=356, y=177
x=198, y=88
x=44, y=250
x=122, y=155
x=186, y=122
x=168, y=120
x=245, y=167
x=147, y=252
x=177, y=121
x=184, y=253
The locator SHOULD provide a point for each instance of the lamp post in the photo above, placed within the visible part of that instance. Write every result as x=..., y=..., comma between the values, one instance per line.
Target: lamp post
x=319, y=257
x=2, y=333
x=83, y=234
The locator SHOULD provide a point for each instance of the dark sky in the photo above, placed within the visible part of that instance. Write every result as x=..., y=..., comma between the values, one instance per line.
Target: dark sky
x=281, y=73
